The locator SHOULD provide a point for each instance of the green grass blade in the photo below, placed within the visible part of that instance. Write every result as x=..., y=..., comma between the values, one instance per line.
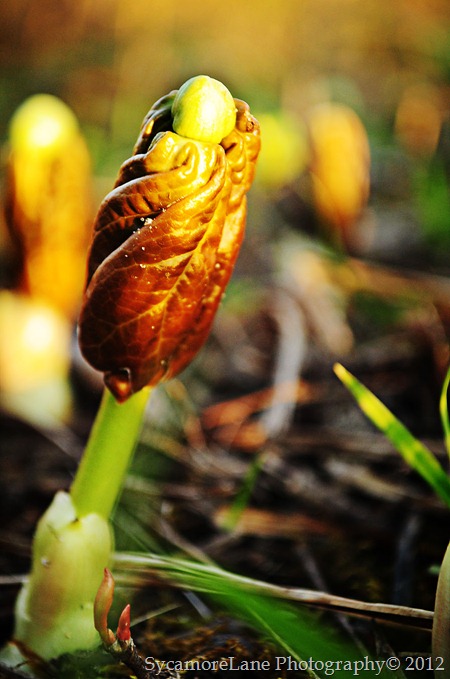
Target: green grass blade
x=418, y=456
x=299, y=633
x=443, y=408
x=243, y=496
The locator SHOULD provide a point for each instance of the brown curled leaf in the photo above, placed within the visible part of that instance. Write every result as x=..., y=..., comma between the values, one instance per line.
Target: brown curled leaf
x=164, y=246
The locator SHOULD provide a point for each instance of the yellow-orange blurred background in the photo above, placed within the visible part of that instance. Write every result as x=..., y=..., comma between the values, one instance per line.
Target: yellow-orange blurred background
x=373, y=187
x=109, y=59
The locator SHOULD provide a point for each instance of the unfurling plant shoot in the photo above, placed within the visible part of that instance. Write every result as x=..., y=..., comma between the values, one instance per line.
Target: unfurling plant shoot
x=164, y=244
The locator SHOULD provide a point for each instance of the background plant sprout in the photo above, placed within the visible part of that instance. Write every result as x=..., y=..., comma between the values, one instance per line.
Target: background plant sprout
x=422, y=460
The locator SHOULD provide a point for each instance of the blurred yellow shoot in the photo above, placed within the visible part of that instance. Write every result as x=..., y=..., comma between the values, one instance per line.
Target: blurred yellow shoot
x=419, y=118
x=42, y=124
x=340, y=166
x=284, y=152
x=34, y=359
x=48, y=201
x=47, y=210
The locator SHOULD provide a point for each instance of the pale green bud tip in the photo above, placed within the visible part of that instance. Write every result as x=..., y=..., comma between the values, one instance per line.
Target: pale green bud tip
x=204, y=110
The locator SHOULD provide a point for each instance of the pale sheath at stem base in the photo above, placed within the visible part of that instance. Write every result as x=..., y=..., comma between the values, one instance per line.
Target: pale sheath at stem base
x=54, y=610
x=73, y=542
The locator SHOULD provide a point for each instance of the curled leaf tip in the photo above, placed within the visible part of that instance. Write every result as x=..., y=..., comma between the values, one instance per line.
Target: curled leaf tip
x=164, y=246
x=120, y=384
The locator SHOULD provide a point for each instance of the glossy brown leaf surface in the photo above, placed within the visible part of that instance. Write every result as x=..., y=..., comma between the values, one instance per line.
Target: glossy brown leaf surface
x=164, y=246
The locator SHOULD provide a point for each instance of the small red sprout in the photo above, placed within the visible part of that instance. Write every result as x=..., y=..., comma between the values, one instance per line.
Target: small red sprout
x=102, y=605
x=123, y=628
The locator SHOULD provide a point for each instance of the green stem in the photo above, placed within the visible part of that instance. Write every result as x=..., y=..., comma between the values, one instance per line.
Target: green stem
x=110, y=447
